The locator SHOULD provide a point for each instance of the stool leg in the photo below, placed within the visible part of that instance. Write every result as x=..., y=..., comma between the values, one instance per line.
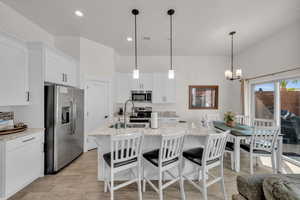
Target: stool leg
x=111, y=184
x=144, y=180
x=204, y=189
x=139, y=182
x=160, y=185
x=181, y=182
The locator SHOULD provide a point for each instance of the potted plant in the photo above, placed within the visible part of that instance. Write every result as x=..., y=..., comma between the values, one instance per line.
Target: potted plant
x=229, y=118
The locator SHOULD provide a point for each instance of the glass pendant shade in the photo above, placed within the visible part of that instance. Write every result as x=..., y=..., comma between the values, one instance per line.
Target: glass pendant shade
x=171, y=74
x=238, y=73
x=136, y=74
x=228, y=74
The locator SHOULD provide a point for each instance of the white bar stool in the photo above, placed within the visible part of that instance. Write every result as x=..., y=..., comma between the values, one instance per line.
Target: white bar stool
x=169, y=156
x=125, y=155
x=206, y=158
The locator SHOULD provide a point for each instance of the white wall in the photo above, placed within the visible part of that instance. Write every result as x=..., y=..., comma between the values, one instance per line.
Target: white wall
x=190, y=70
x=17, y=25
x=278, y=52
x=70, y=45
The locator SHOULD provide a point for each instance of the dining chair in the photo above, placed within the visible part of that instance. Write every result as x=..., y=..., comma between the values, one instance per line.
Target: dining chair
x=206, y=158
x=125, y=155
x=168, y=157
x=262, y=143
x=243, y=119
x=210, y=118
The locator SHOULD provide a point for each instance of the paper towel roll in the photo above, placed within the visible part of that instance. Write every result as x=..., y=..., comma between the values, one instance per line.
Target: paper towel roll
x=154, y=120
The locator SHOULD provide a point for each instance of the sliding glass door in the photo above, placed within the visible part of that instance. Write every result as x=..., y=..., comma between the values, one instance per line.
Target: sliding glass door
x=290, y=117
x=280, y=100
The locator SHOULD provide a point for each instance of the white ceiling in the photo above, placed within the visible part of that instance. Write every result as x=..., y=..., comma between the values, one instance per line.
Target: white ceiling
x=200, y=26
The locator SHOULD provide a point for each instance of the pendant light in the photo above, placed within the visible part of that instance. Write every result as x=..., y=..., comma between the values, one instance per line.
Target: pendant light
x=229, y=73
x=136, y=73
x=171, y=74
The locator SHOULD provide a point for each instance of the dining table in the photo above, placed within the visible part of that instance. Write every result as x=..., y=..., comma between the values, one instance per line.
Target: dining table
x=242, y=132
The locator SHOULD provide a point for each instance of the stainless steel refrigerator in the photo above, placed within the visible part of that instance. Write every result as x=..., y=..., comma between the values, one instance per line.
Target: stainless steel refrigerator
x=64, y=123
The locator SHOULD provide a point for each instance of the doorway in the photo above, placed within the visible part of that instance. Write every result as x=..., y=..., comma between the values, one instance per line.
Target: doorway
x=97, y=109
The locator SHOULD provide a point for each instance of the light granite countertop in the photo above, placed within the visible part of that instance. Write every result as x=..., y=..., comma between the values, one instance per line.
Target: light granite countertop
x=164, y=129
x=13, y=136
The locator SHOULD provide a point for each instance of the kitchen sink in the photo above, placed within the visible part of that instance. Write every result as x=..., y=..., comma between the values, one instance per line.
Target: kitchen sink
x=130, y=125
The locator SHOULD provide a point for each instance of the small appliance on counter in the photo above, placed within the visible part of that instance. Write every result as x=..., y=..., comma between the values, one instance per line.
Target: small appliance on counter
x=154, y=120
x=142, y=115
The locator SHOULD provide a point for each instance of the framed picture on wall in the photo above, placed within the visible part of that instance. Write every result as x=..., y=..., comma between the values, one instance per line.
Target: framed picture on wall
x=203, y=96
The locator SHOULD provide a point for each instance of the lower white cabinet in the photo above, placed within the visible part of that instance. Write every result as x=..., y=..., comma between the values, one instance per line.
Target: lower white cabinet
x=22, y=161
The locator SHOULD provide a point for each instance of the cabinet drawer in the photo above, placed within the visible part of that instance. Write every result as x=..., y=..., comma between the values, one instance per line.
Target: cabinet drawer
x=19, y=142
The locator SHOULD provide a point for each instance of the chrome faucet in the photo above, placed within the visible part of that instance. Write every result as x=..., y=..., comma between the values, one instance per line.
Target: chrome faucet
x=125, y=108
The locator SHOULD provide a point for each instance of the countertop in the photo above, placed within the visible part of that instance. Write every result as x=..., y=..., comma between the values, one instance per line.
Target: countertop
x=164, y=129
x=13, y=136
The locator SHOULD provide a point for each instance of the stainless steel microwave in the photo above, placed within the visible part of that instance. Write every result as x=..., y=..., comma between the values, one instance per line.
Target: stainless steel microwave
x=141, y=96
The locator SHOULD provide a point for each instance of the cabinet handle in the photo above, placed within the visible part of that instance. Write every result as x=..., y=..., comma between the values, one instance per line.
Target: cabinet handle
x=63, y=77
x=29, y=139
x=27, y=96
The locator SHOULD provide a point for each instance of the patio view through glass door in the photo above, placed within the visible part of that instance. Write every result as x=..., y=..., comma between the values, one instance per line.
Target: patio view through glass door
x=290, y=117
x=265, y=105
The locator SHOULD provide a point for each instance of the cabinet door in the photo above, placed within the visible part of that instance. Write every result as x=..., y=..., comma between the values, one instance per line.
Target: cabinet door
x=70, y=72
x=170, y=91
x=159, y=88
x=23, y=165
x=14, y=72
x=164, y=89
x=124, y=82
x=60, y=69
x=146, y=81
x=54, y=72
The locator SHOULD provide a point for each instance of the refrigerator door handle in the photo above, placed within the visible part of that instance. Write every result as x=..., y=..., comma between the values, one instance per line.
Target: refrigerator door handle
x=74, y=114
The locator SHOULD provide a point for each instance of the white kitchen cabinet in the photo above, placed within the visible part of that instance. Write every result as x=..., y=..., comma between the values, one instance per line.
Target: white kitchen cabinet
x=145, y=82
x=164, y=89
x=123, y=83
x=21, y=162
x=60, y=68
x=14, y=85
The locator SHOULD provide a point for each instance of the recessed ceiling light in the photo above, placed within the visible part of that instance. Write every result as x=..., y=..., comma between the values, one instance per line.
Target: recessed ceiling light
x=129, y=39
x=78, y=13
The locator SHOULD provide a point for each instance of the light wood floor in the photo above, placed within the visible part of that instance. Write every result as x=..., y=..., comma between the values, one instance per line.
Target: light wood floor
x=78, y=182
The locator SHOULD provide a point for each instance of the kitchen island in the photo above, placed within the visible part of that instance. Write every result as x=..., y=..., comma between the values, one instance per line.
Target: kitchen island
x=195, y=137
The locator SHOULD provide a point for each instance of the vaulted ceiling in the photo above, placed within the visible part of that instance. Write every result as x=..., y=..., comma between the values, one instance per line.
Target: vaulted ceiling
x=201, y=27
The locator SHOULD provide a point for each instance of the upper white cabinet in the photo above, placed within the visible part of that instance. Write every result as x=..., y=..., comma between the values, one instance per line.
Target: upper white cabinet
x=60, y=68
x=164, y=89
x=145, y=82
x=123, y=81
x=14, y=87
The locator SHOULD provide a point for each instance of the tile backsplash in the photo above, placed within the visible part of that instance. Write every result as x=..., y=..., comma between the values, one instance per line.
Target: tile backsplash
x=6, y=115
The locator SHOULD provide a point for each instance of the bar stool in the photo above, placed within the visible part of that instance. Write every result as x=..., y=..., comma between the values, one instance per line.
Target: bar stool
x=206, y=158
x=169, y=156
x=125, y=155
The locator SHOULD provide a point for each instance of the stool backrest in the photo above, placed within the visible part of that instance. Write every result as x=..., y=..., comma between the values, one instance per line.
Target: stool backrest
x=171, y=147
x=264, y=138
x=263, y=122
x=243, y=119
x=126, y=147
x=215, y=146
